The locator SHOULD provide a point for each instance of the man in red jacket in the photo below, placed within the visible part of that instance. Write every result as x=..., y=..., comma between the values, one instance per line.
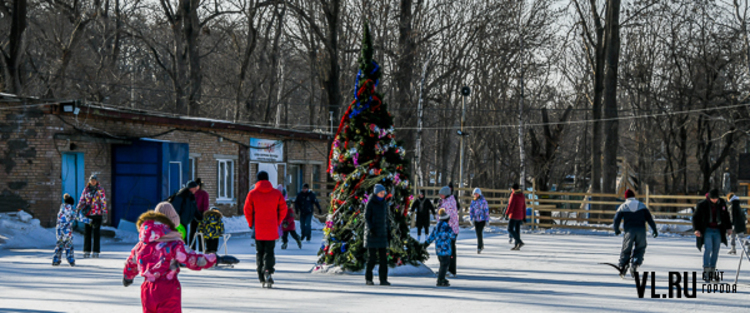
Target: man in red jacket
x=516, y=213
x=265, y=209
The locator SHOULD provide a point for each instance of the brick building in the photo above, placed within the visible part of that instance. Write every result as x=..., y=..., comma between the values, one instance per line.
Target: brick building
x=141, y=158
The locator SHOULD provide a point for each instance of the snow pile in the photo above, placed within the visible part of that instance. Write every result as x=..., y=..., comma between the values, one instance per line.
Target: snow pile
x=403, y=270
x=238, y=224
x=672, y=228
x=235, y=224
x=123, y=236
x=21, y=230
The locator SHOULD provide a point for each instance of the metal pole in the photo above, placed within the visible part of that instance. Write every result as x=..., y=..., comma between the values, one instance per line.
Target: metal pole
x=461, y=160
x=520, y=110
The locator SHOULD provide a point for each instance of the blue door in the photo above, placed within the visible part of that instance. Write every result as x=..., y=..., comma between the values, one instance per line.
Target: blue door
x=73, y=178
x=136, y=177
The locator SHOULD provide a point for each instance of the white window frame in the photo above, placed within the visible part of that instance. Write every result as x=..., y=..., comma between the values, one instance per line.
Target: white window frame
x=191, y=161
x=228, y=184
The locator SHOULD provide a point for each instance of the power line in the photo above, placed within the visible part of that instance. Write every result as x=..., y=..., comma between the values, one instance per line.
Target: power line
x=585, y=121
x=127, y=86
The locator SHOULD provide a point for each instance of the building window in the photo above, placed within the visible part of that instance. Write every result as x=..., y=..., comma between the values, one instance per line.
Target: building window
x=225, y=181
x=191, y=168
x=316, y=177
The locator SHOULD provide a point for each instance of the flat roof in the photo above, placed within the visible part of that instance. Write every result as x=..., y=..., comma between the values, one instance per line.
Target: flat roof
x=155, y=117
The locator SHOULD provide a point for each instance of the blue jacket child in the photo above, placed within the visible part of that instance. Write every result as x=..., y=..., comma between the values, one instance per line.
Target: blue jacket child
x=443, y=237
x=64, y=230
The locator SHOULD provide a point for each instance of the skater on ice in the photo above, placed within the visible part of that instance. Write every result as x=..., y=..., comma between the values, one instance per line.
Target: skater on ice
x=448, y=202
x=156, y=257
x=377, y=235
x=186, y=207
x=202, y=205
x=303, y=204
x=479, y=212
x=634, y=215
x=712, y=223
x=288, y=227
x=93, y=205
x=64, y=230
x=516, y=213
x=212, y=227
x=739, y=218
x=423, y=209
x=444, y=238
x=265, y=209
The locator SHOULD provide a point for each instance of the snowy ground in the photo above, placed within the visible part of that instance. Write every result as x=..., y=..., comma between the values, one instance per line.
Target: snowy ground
x=553, y=273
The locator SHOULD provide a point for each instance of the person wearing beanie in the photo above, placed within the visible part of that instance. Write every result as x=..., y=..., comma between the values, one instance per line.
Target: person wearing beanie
x=93, y=205
x=448, y=202
x=423, y=208
x=158, y=257
x=202, y=204
x=739, y=218
x=265, y=210
x=304, y=205
x=167, y=209
x=64, y=230
x=635, y=215
x=516, y=213
x=186, y=206
x=444, y=238
x=479, y=212
x=377, y=235
x=711, y=222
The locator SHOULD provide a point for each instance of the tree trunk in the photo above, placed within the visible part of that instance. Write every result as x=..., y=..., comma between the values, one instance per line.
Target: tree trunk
x=15, y=44
x=404, y=73
x=611, y=131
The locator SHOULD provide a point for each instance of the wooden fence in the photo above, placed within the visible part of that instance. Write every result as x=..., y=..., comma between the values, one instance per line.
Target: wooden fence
x=576, y=210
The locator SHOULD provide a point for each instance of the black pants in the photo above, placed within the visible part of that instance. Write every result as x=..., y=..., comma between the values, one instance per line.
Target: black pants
x=514, y=229
x=285, y=237
x=425, y=226
x=633, y=246
x=452, y=266
x=479, y=228
x=444, y=262
x=383, y=269
x=194, y=241
x=264, y=257
x=92, y=230
x=212, y=245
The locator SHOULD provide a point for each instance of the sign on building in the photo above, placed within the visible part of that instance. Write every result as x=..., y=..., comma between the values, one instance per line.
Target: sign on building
x=273, y=150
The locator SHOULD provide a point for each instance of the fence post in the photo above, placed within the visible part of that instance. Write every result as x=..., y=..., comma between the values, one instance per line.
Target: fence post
x=648, y=199
x=533, y=205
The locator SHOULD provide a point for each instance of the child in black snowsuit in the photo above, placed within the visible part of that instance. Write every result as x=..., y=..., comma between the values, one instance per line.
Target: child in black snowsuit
x=212, y=228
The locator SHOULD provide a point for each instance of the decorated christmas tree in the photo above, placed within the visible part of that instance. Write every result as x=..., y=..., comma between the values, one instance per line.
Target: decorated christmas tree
x=364, y=153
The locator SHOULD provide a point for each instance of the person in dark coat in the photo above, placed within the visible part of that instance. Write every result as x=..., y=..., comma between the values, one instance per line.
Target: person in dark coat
x=712, y=223
x=423, y=208
x=635, y=215
x=186, y=207
x=303, y=204
x=739, y=218
x=377, y=233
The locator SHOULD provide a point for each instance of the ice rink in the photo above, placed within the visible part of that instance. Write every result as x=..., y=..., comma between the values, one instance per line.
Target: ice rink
x=553, y=273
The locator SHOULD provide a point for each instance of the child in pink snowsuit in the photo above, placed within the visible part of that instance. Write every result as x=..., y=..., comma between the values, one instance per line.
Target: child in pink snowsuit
x=157, y=257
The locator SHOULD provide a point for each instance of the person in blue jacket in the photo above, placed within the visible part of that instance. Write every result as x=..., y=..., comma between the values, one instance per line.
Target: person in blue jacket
x=443, y=236
x=635, y=215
